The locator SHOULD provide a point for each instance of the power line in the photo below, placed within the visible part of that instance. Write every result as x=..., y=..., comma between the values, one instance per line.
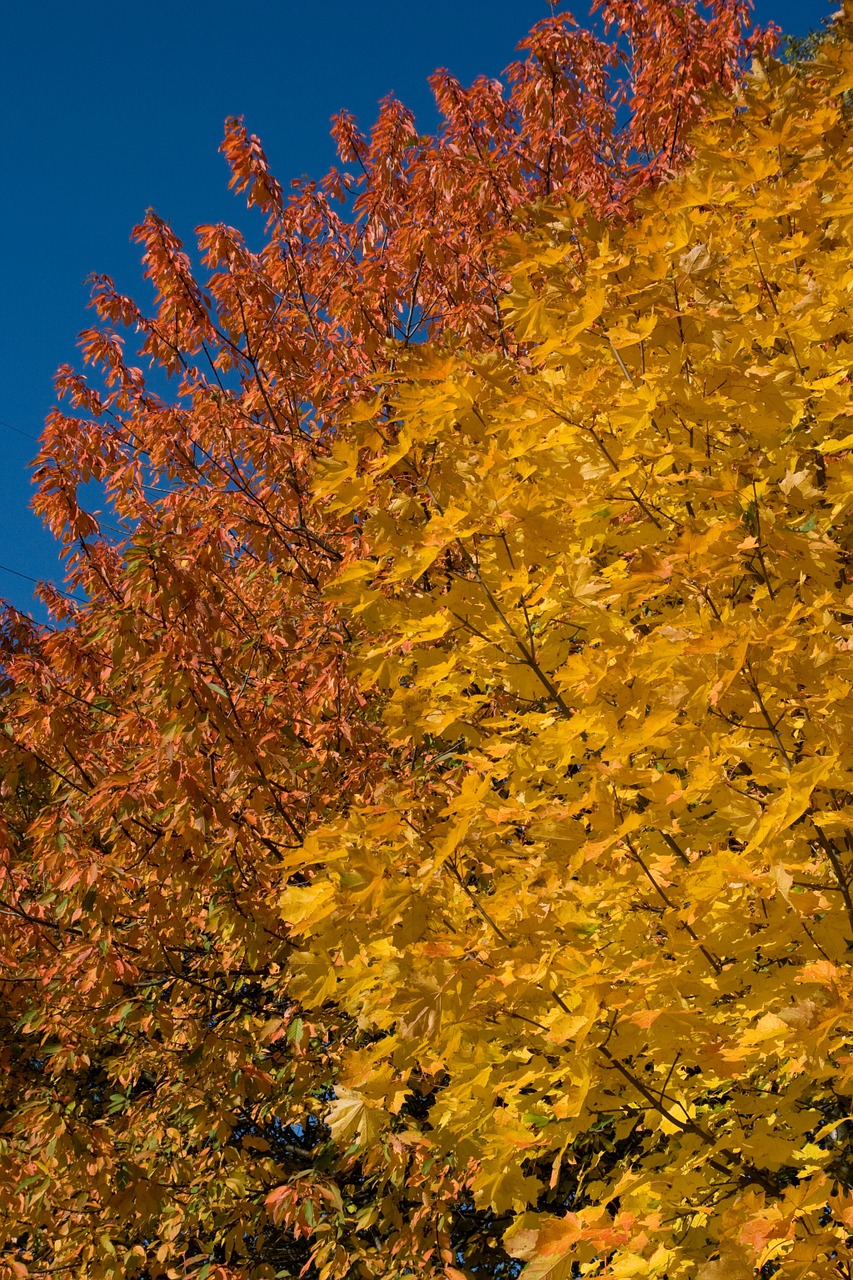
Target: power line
x=38, y=582
x=17, y=430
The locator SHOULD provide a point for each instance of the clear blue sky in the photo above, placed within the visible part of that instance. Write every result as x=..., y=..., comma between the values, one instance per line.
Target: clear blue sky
x=109, y=108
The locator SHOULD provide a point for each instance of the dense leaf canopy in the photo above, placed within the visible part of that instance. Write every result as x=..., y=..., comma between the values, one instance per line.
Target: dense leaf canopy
x=606, y=903
x=427, y=848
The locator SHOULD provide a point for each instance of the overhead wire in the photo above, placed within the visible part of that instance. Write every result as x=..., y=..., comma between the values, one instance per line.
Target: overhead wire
x=17, y=430
x=29, y=578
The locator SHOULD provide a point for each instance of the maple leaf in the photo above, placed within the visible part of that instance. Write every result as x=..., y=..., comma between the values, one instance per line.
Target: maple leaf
x=352, y=1120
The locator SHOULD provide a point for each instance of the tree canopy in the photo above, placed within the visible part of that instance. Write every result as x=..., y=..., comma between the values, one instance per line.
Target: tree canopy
x=427, y=846
x=607, y=900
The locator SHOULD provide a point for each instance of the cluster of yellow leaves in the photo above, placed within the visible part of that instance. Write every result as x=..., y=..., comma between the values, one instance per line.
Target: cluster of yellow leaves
x=603, y=902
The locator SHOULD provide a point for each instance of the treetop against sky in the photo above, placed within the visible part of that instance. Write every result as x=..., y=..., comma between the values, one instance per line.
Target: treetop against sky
x=109, y=112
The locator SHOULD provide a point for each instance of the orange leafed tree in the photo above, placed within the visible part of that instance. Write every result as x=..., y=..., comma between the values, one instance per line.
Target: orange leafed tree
x=194, y=716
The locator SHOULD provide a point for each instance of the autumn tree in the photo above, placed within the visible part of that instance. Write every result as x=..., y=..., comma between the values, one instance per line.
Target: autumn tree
x=198, y=758
x=603, y=905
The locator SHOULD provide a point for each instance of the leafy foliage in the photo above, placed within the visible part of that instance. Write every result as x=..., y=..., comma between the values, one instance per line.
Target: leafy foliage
x=607, y=897
x=406, y=869
x=805, y=48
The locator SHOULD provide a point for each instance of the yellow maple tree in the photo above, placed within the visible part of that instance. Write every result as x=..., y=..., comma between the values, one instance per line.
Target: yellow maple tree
x=601, y=909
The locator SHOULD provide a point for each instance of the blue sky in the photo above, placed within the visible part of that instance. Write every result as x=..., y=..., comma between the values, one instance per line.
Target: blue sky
x=111, y=108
